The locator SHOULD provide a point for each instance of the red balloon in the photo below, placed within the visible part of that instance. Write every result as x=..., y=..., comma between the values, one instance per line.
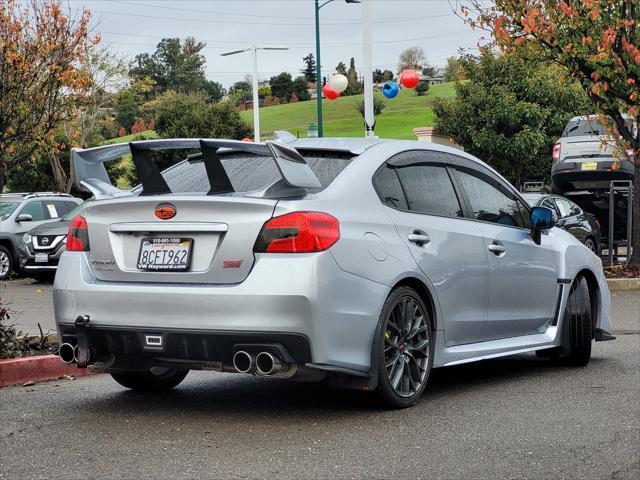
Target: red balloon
x=330, y=93
x=409, y=79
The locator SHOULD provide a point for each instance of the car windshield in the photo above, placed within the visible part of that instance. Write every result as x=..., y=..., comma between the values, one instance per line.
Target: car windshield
x=6, y=209
x=72, y=213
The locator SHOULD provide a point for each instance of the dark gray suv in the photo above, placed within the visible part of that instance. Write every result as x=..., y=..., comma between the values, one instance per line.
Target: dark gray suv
x=42, y=246
x=19, y=213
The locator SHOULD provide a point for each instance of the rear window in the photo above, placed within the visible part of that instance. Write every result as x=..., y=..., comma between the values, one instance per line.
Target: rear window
x=249, y=172
x=584, y=127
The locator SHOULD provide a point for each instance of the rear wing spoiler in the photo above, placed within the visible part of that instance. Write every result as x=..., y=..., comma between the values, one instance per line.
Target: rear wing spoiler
x=91, y=174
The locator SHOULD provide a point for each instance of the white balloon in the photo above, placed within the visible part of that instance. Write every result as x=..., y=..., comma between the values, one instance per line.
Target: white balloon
x=338, y=82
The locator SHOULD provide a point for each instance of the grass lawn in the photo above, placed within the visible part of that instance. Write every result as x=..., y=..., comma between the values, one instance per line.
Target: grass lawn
x=146, y=135
x=342, y=119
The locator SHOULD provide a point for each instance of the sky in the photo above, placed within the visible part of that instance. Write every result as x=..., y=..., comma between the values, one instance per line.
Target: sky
x=135, y=26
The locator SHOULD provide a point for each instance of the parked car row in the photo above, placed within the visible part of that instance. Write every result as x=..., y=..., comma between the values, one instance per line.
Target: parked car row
x=33, y=232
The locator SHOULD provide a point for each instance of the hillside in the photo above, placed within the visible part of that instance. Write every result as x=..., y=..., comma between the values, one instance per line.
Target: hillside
x=342, y=119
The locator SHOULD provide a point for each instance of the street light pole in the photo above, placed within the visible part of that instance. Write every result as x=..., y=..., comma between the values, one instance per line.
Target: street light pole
x=254, y=82
x=318, y=73
x=256, y=99
x=318, y=6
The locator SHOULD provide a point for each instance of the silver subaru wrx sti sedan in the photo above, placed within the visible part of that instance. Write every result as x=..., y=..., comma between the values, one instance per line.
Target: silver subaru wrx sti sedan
x=368, y=261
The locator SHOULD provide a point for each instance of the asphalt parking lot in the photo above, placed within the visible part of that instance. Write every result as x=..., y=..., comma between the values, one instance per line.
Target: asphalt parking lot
x=516, y=417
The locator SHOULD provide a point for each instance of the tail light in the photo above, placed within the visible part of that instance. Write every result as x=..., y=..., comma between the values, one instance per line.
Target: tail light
x=555, y=153
x=78, y=236
x=298, y=232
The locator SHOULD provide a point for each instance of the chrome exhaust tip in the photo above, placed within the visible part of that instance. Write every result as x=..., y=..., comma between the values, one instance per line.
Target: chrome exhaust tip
x=243, y=362
x=268, y=364
x=66, y=352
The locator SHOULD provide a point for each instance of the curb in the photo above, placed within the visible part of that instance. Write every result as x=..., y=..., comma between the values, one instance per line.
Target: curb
x=19, y=371
x=623, y=284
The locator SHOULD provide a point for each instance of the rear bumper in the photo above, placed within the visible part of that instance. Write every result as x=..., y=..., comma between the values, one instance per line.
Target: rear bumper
x=304, y=296
x=569, y=175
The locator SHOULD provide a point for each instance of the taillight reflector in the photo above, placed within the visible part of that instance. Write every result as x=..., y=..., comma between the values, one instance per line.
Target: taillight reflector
x=555, y=153
x=298, y=232
x=78, y=235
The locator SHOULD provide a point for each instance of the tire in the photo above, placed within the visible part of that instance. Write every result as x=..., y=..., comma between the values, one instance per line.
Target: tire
x=6, y=263
x=404, y=348
x=161, y=380
x=577, y=328
x=592, y=245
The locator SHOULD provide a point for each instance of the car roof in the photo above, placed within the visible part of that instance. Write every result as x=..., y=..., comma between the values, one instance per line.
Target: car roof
x=354, y=145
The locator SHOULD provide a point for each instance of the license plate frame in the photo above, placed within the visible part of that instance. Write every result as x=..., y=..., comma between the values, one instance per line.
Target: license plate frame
x=177, y=242
x=589, y=166
x=41, y=258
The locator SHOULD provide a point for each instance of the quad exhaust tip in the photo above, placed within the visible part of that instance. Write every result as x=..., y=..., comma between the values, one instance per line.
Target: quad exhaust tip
x=267, y=364
x=67, y=353
x=243, y=362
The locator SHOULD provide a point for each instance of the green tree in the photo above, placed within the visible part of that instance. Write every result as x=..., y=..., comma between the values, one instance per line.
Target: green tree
x=429, y=70
x=341, y=68
x=454, y=71
x=175, y=65
x=281, y=86
x=354, y=87
x=191, y=115
x=264, y=91
x=597, y=42
x=422, y=88
x=510, y=113
x=387, y=76
x=378, y=76
x=309, y=71
x=213, y=90
x=128, y=101
x=300, y=89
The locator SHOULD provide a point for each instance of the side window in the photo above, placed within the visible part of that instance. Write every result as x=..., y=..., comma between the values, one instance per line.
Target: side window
x=35, y=210
x=429, y=190
x=564, y=207
x=54, y=209
x=489, y=202
x=549, y=204
x=388, y=188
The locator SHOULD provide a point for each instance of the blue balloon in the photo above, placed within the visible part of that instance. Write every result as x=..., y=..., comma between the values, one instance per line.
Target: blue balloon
x=390, y=89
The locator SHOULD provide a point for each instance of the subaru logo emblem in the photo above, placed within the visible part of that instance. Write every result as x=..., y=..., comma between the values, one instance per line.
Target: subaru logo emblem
x=45, y=240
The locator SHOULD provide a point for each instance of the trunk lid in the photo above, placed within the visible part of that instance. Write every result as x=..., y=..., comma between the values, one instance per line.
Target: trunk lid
x=584, y=148
x=223, y=230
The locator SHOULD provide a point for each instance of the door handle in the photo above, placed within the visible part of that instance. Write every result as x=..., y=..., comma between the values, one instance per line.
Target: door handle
x=419, y=237
x=497, y=248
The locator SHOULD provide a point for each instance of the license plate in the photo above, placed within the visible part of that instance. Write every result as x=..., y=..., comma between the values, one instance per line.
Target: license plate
x=589, y=166
x=42, y=257
x=165, y=254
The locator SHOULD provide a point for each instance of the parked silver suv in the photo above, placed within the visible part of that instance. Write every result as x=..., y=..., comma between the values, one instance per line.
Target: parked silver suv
x=585, y=157
x=19, y=213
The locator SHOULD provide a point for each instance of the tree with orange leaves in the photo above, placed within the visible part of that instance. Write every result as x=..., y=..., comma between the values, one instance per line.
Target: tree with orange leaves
x=41, y=53
x=597, y=42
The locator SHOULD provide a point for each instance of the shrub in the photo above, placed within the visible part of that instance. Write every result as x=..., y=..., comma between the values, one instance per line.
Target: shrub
x=10, y=346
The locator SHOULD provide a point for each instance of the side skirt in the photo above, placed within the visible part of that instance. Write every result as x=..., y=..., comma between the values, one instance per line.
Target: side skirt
x=473, y=352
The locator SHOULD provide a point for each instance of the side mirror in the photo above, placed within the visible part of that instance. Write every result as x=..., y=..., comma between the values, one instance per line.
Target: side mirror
x=24, y=217
x=542, y=218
